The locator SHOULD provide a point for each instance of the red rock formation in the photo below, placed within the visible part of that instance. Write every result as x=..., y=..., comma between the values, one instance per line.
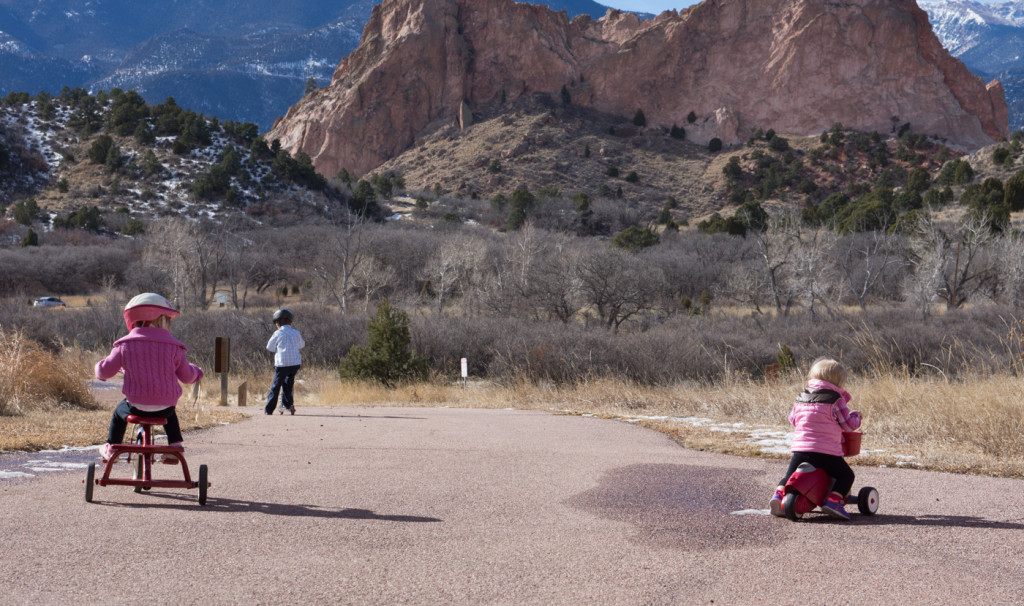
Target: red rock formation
x=797, y=66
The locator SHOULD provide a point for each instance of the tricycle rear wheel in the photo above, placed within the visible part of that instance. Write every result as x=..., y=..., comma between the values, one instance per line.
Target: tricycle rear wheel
x=203, y=483
x=90, y=481
x=867, y=501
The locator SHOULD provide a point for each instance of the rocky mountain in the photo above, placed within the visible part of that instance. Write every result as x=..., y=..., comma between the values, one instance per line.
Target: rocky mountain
x=721, y=69
x=244, y=61
x=989, y=39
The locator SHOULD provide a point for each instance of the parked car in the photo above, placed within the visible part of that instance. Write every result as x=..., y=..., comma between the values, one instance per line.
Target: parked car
x=48, y=302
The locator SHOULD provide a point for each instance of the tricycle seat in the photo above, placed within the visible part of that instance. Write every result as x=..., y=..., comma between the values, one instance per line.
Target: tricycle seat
x=147, y=420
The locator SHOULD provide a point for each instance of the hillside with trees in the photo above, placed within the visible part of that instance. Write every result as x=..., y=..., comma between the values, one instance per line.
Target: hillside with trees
x=600, y=247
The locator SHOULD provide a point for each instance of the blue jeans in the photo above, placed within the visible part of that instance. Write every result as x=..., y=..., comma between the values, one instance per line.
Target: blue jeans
x=119, y=422
x=284, y=381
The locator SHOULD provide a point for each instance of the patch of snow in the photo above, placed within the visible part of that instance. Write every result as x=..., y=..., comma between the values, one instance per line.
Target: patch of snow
x=752, y=512
x=5, y=475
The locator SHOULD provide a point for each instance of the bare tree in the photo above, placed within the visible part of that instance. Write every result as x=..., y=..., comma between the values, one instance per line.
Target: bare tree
x=813, y=268
x=341, y=252
x=776, y=248
x=554, y=287
x=1010, y=253
x=926, y=248
x=618, y=285
x=450, y=269
x=191, y=254
x=864, y=261
x=969, y=268
x=371, y=277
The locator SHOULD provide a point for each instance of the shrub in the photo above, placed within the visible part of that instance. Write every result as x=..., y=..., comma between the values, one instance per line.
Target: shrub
x=635, y=238
x=785, y=359
x=732, y=168
x=100, y=148
x=963, y=174
x=1013, y=191
x=639, y=119
x=386, y=357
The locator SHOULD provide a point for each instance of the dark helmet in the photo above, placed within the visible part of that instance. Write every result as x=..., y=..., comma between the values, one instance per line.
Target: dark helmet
x=283, y=316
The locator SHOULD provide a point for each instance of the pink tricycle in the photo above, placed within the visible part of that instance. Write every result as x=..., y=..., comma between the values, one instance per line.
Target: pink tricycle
x=809, y=486
x=145, y=451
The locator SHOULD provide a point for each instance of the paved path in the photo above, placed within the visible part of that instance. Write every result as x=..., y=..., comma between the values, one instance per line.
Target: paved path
x=455, y=506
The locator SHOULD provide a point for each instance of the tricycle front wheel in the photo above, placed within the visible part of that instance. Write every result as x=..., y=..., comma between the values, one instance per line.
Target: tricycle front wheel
x=789, y=506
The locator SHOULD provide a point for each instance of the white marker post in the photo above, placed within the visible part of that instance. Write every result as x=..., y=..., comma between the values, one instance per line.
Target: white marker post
x=465, y=372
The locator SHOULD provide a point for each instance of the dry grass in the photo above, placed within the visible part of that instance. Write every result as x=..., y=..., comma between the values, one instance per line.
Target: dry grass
x=971, y=425
x=46, y=402
x=966, y=426
x=32, y=378
x=51, y=429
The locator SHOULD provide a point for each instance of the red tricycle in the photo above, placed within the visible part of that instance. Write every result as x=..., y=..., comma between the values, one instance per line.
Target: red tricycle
x=809, y=486
x=145, y=451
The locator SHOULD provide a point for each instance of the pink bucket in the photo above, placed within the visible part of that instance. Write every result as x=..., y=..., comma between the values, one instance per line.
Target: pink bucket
x=851, y=443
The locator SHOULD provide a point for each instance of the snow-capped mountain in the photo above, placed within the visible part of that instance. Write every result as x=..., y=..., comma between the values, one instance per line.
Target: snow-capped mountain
x=961, y=24
x=989, y=38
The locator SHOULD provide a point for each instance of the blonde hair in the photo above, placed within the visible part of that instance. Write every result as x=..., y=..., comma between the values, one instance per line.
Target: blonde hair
x=163, y=322
x=827, y=369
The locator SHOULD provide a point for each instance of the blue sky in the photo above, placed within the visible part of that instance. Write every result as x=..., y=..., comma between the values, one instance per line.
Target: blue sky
x=656, y=6
x=647, y=6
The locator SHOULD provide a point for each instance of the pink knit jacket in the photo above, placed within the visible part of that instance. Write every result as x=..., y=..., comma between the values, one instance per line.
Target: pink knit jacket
x=819, y=425
x=153, y=363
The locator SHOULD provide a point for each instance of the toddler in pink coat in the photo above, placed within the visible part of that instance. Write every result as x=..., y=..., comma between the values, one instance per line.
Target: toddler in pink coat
x=153, y=362
x=819, y=417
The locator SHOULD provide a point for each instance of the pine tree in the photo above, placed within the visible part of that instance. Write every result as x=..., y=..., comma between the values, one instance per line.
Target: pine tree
x=386, y=356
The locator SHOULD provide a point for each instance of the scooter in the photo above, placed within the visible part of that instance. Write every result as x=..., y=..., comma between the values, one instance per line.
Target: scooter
x=809, y=486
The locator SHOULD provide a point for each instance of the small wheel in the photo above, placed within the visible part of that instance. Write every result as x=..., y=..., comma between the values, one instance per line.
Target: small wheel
x=203, y=473
x=90, y=481
x=138, y=469
x=789, y=506
x=867, y=501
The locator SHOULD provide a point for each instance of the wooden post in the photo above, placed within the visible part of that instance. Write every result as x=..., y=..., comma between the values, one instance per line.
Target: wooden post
x=242, y=389
x=222, y=364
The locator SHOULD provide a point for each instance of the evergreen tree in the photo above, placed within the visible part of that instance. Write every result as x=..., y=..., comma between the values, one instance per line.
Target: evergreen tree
x=386, y=356
x=635, y=238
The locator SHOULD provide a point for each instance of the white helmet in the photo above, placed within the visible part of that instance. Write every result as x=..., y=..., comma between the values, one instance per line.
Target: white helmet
x=146, y=307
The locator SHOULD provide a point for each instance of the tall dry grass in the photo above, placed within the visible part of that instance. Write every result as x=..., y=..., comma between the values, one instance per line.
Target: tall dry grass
x=32, y=378
x=969, y=425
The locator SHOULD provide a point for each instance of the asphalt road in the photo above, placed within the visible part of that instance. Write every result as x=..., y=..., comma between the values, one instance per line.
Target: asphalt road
x=457, y=506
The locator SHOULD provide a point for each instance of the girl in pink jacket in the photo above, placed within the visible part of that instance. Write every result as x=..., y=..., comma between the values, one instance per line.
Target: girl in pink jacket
x=819, y=417
x=153, y=362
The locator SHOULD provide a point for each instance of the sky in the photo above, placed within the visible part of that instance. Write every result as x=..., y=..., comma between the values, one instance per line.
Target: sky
x=656, y=6
x=647, y=6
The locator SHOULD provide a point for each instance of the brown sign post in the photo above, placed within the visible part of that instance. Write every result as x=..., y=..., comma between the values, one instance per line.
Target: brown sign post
x=222, y=364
